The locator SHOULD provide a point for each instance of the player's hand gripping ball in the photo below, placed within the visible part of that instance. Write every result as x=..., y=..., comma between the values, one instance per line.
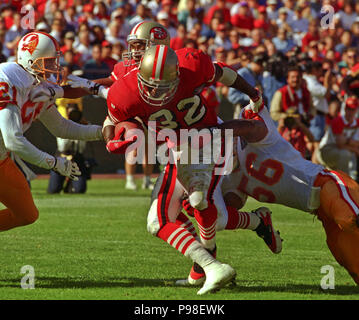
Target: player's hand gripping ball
x=126, y=133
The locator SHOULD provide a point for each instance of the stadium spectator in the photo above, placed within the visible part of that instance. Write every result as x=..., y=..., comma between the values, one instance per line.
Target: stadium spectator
x=163, y=18
x=252, y=72
x=141, y=15
x=274, y=76
x=188, y=17
x=282, y=42
x=106, y=54
x=221, y=39
x=69, y=40
x=57, y=29
x=71, y=17
x=113, y=32
x=292, y=107
x=320, y=95
x=96, y=68
x=179, y=41
x=289, y=6
x=311, y=35
x=243, y=20
x=220, y=6
x=339, y=148
x=346, y=17
x=12, y=36
x=299, y=24
x=272, y=10
x=283, y=21
x=84, y=46
x=262, y=21
x=168, y=6
x=71, y=60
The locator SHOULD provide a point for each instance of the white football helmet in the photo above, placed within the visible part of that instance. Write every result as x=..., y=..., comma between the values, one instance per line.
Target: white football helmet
x=146, y=34
x=158, y=75
x=39, y=54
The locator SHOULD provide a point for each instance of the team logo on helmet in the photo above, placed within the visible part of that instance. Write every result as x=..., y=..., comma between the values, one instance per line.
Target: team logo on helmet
x=159, y=33
x=30, y=42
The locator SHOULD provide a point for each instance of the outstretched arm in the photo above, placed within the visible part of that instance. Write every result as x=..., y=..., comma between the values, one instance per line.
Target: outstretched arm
x=250, y=130
x=230, y=78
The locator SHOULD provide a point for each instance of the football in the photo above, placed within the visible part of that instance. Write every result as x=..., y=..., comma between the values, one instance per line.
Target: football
x=129, y=125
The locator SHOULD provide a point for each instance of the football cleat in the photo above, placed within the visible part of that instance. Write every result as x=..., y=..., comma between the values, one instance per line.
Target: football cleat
x=130, y=185
x=266, y=231
x=148, y=185
x=217, y=276
x=196, y=277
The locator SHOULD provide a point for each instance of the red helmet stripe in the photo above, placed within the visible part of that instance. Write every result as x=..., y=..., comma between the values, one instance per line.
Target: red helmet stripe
x=56, y=44
x=135, y=28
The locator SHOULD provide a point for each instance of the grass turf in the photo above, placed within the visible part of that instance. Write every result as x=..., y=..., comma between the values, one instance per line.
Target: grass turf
x=96, y=246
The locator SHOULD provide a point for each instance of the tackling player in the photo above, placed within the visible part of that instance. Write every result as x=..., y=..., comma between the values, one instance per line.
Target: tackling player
x=166, y=90
x=34, y=77
x=271, y=170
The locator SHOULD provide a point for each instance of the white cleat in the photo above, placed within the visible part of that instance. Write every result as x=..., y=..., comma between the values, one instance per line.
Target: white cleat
x=130, y=185
x=217, y=276
x=148, y=185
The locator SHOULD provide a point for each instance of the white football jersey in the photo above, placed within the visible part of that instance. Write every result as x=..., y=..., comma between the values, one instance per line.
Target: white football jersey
x=15, y=87
x=271, y=170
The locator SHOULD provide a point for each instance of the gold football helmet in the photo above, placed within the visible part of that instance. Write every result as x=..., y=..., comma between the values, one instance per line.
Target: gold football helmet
x=158, y=75
x=144, y=35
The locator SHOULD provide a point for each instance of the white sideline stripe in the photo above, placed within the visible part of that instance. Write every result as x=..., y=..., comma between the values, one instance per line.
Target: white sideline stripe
x=345, y=192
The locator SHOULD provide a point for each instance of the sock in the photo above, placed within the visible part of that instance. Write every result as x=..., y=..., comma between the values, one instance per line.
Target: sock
x=207, y=221
x=197, y=271
x=179, y=238
x=183, y=221
x=147, y=179
x=241, y=220
x=129, y=178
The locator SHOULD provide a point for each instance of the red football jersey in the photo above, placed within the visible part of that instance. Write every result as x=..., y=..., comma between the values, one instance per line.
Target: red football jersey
x=186, y=109
x=119, y=70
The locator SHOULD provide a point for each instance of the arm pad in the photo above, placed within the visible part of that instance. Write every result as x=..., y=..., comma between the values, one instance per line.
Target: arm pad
x=228, y=77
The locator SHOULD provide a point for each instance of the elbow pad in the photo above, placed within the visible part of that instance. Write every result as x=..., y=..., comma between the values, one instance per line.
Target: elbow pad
x=228, y=77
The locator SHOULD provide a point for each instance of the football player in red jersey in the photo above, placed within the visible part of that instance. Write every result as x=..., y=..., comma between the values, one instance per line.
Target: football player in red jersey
x=166, y=89
x=142, y=36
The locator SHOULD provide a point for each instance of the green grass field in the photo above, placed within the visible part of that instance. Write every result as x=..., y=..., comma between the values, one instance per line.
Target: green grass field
x=96, y=246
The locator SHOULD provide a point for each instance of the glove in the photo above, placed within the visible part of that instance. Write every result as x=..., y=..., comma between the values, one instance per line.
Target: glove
x=67, y=168
x=88, y=85
x=117, y=145
x=46, y=92
x=257, y=102
x=187, y=207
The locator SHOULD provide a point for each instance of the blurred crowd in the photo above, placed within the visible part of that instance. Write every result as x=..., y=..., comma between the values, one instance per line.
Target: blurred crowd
x=300, y=54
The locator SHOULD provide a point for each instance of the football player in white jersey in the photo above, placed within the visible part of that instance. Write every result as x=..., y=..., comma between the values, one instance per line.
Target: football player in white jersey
x=271, y=170
x=28, y=88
